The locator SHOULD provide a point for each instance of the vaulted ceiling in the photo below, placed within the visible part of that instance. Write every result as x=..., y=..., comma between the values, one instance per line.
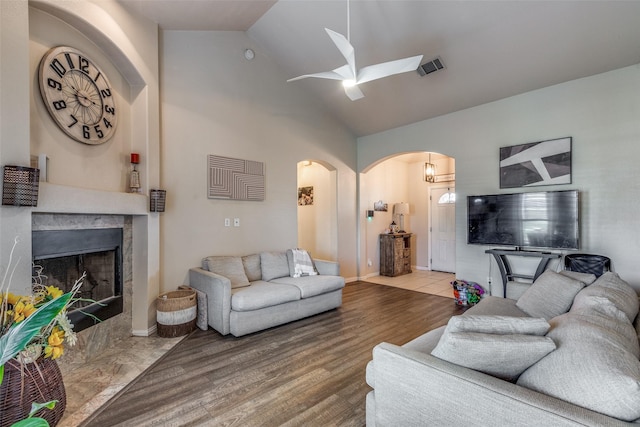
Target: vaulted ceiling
x=490, y=49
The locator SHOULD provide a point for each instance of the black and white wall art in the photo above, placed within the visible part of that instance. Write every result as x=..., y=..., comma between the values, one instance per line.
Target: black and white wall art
x=536, y=163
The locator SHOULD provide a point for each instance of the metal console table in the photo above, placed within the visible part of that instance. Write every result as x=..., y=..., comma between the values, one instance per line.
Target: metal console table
x=505, y=268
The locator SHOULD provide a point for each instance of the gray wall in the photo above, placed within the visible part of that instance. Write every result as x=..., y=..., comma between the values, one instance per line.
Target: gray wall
x=601, y=113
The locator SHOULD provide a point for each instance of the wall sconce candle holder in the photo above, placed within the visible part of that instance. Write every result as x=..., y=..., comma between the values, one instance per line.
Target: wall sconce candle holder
x=20, y=186
x=157, y=199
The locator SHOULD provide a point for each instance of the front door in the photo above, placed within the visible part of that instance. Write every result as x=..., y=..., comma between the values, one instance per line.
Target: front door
x=443, y=229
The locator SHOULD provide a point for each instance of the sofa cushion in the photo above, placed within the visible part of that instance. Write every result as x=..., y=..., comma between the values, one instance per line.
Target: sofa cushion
x=252, y=267
x=228, y=266
x=586, y=278
x=610, y=287
x=274, y=265
x=426, y=342
x=311, y=286
x=503, y=356
x=501, y=325
x=263, y=294
x=492, y=305
x=595, y=366
x=550, y=295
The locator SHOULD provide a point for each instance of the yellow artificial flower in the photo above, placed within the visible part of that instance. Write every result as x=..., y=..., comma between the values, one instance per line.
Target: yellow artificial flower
x=54, y=348
x=53, y=352
x=54, y=292
x=11, y=298
x=57, y=336
x=22, y=310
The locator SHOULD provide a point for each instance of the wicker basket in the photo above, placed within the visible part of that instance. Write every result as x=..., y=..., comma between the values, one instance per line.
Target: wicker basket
x=177, y=313
x=40, y=381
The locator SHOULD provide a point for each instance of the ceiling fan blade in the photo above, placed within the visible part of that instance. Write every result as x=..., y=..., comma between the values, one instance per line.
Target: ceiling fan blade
x=345, y=49
x=378, y=71
x=353, y=92
x=323, y=75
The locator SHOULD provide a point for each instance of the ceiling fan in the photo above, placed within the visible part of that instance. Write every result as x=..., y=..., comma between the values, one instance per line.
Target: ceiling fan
x=352, y=77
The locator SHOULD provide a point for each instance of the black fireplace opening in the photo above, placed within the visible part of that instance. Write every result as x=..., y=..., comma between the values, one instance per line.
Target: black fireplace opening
x=62, y=256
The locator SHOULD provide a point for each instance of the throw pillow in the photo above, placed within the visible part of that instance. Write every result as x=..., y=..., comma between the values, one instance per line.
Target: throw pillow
x=595, y=366
x=501, y=325
x=274, y=265
x=610, y=286
x=503, y=356
x=550, y=295
x=230, y=267
x=585, y=278
x=252, y=267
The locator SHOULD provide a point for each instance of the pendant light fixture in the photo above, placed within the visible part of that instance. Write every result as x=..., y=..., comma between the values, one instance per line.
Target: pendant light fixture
x=429, y=171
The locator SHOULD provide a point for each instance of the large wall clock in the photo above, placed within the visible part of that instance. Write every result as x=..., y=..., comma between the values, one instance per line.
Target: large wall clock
x=78, y=95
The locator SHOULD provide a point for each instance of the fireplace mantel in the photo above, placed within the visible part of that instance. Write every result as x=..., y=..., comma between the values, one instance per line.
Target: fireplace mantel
x=55, y=198
x=62, y=199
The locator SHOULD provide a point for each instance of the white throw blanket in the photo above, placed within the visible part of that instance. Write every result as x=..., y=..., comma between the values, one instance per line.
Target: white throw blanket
x=303, y=264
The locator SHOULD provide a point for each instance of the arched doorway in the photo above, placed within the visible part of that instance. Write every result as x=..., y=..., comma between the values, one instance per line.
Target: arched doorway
x=317, y=209
x=401, y=178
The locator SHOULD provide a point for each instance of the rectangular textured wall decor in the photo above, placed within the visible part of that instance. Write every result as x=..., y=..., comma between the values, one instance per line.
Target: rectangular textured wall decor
x=235, y=179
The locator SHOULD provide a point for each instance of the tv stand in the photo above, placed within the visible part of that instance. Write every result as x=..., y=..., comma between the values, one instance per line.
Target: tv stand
x=505, y=267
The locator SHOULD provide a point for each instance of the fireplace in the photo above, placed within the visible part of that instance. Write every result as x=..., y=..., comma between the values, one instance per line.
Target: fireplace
x=63, y=255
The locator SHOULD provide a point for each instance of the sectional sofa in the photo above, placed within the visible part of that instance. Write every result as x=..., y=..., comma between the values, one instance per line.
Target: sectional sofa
x=565, y=353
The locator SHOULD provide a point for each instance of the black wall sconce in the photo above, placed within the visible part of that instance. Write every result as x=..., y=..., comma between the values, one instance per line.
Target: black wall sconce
x=20, y=186
x=157, y=199
x=369, y=214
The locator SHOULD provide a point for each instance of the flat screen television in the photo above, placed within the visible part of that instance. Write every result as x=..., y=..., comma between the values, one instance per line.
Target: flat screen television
x=547, y=220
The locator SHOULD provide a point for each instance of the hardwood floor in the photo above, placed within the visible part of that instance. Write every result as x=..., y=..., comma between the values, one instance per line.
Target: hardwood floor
x=310, y=372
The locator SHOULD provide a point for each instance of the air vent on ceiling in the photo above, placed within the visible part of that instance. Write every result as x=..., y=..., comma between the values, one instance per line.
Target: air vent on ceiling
x=430, y=67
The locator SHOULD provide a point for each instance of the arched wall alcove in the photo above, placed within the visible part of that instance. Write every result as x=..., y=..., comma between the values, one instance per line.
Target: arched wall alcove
x=107, y=34
x=317, y=209
x=393, y=179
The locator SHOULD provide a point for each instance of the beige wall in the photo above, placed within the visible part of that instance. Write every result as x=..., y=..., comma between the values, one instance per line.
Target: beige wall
x=214, y=101
x=15, y=80
x=317, y=223
x=83, y=179
x=599, y=112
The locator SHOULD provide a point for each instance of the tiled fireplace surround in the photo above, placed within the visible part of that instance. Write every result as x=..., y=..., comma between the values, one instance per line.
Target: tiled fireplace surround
x=63, y=208
x=94, y=340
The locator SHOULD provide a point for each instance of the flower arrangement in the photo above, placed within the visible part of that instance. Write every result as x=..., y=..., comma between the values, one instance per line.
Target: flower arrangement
x=467, y=293
x=49, y=340
x=34, y=325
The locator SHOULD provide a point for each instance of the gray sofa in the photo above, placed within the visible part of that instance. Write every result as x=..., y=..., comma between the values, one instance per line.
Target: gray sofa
x=246, y=294
x=564, y=354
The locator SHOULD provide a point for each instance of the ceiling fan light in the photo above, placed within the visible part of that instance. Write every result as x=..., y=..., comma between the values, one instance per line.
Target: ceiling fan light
x=349, y=83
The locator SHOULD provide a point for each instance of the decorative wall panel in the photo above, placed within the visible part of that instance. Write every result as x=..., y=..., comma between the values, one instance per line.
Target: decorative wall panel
x=235, y=179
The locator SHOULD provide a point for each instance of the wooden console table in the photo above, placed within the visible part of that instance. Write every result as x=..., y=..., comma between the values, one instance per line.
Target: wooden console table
x=395, y=254
x=505, y=268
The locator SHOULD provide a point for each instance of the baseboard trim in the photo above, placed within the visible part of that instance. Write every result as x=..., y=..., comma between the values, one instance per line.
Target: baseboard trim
x=144, y=332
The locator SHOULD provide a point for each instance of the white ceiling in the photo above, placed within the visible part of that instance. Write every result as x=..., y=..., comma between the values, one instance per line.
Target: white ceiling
x=491, y=49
